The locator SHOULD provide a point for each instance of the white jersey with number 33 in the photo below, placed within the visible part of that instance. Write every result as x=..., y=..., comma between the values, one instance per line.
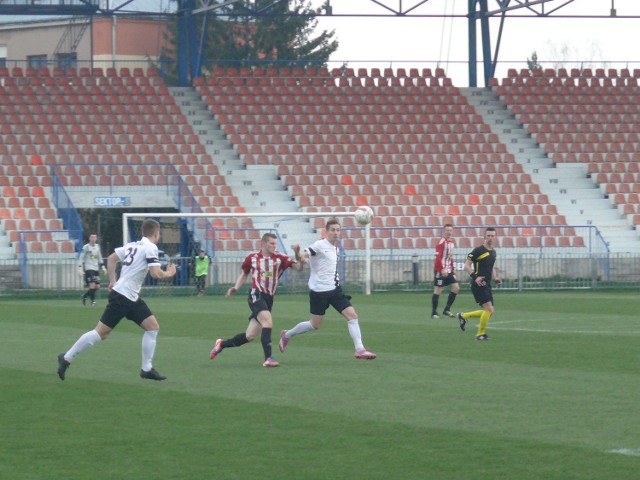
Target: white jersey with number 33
x=136, y=258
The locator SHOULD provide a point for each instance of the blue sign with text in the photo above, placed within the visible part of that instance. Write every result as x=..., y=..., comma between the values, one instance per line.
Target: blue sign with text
x=111, y=202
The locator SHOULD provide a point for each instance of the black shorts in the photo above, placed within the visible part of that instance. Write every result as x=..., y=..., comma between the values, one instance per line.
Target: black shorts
x=319, y=302
x=440, y=281
x=258, y=302
x=120, y=307
x=91, y=276
x=482, y=295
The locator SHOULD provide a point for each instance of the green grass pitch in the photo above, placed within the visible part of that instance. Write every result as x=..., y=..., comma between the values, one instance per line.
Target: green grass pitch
x=554, y=394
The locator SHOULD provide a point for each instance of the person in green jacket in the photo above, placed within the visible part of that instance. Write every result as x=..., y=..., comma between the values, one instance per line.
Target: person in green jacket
x=201, y=264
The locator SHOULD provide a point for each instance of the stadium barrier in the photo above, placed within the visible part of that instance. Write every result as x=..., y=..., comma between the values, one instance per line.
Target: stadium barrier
x=411, y=272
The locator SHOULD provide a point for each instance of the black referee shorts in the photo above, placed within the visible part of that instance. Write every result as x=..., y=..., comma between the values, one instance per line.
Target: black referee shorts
x=482, y=295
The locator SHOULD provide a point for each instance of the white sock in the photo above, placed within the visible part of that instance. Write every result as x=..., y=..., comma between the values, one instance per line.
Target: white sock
x=302, y=327
x=356, y=336
x=148, y=348
x=84, y=342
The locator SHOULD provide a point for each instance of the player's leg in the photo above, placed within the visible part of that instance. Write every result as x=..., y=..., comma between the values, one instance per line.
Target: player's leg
x=141, y=314
x=478, y=296
x=266, y=320
x=237, y=340
x=87, y=283
x=342, y=303
x=453, y=292
x=487, y=312
x=200, y=281
x=93, y=287
x=318, y=304
x=86, y=340
x=435, y=298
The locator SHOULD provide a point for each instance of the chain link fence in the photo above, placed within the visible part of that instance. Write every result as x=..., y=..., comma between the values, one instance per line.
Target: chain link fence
x=519, y=271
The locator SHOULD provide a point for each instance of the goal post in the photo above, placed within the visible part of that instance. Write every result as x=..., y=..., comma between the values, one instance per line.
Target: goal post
x=279, y=216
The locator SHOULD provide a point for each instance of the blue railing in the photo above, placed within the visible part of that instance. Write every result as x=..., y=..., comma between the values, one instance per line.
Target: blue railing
x=65, y=210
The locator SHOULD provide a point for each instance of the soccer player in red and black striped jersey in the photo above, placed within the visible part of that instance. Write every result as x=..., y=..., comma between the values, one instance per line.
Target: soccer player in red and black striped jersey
x=265, y=267
x=444, y=273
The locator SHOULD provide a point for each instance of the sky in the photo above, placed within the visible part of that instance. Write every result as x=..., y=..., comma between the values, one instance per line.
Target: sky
x=431, y=42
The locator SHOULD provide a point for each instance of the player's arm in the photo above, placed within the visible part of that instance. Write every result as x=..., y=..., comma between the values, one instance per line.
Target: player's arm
x=495, y=277
x=112, y=263
x=239, y=282
x=468, y=266
x=302, y=257
x=101, y=261
x=297, y=265
x=156, y=271
x=81, y=262
x=438, y=260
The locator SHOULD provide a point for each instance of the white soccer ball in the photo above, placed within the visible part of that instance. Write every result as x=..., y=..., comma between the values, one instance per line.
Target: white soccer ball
x=363, y=215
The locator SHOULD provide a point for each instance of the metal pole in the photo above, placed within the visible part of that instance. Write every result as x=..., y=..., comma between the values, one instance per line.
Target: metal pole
x=367, y=250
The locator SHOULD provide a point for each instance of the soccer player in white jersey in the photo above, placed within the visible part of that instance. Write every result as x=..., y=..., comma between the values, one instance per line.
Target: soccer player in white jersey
x=89, y=266
x=137, y=259
x=265, y=266
x=325, y=290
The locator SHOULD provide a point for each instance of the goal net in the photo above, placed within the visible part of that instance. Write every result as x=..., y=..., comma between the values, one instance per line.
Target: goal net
x=227, y=238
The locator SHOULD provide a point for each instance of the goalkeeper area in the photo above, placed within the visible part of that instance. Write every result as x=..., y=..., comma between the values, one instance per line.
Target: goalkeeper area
x=228, y=237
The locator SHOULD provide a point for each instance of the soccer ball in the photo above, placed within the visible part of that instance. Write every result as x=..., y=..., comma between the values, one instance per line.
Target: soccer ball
x=363, y=215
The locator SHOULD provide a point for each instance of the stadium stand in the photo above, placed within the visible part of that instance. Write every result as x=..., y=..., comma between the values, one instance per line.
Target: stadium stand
x=93, y=128
x=341, y=139
x=407, y=143
x=584, y=117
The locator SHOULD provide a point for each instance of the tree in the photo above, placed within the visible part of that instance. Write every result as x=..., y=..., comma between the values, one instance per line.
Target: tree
x=281, y=34
x=288, y=35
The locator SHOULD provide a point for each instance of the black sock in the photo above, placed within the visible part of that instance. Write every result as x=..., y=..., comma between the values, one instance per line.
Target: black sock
x=450, y=300
x=434, y=302
x=237, y=341
x=265, y=338
x=92, y=294
x=86, y=294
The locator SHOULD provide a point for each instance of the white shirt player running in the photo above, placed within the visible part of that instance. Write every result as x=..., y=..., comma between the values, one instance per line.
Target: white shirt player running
x=136, y=258
x=323, y=262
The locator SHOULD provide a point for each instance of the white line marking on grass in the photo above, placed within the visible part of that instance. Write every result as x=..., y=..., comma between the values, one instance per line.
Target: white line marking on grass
x=504, y=322
x=576, y=332
x=626, y=451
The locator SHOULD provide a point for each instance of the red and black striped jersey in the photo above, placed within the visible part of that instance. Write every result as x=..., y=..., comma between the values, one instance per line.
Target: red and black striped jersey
x=265, y=272
x=444, y=255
